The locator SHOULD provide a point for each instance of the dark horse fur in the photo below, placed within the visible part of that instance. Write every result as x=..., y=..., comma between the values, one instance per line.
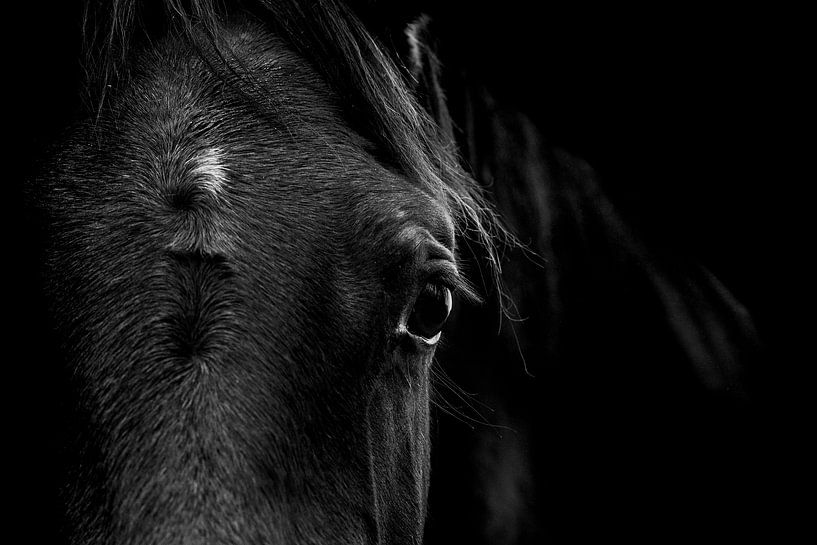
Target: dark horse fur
x=234, y=240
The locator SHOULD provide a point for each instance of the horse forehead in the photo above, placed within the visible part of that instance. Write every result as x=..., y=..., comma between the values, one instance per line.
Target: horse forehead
x=182, y=119
x=191, y=134
x=255, y=72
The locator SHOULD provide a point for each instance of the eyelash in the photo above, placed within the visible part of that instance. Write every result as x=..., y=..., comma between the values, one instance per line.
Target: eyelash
x=445, y=274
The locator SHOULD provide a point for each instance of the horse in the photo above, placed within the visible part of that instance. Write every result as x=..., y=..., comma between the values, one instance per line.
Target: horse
x=249, y=252
x=254, y=245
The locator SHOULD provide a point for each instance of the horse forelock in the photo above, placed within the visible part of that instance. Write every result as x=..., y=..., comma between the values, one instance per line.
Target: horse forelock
x=376, y=96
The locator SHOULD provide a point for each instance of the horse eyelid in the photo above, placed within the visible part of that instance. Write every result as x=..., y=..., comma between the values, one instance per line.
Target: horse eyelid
x=445, y=273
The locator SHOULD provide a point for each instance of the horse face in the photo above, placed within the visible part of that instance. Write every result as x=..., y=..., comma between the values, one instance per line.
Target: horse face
x=247, y=302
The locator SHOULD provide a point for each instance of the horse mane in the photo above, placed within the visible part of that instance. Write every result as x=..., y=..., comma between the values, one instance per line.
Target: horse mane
x=378, y=99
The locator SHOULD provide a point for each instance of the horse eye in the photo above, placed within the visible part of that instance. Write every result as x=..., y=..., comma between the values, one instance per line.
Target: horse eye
x=431, y=310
